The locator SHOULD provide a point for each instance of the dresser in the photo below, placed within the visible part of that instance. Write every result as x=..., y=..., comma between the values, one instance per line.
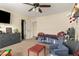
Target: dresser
x=7, y=39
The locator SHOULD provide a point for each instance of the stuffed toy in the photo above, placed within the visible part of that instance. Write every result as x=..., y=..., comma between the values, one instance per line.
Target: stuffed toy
x=7, y=52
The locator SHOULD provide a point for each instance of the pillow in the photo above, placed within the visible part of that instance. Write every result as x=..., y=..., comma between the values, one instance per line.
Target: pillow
x=54, y=46
x=49, y=40
x=55, y=43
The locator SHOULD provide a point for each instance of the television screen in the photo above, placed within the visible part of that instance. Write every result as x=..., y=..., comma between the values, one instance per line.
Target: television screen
x=4, y=17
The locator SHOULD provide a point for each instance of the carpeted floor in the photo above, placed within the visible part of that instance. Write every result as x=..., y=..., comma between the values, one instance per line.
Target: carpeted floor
x=20, y=49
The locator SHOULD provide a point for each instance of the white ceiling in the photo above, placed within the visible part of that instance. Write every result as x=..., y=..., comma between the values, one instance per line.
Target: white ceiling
x=23, y=8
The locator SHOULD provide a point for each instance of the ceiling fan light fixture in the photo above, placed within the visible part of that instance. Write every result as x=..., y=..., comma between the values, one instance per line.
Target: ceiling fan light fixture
x=33, y=9
x=37, y=9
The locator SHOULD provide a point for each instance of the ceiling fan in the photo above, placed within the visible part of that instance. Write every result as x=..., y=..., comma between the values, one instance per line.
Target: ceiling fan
x=36, y=7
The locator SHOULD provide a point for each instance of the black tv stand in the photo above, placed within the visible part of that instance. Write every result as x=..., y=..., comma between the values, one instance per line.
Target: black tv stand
x=7, y=39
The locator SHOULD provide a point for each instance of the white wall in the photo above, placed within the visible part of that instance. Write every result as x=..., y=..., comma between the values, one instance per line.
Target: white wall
x=52, y=24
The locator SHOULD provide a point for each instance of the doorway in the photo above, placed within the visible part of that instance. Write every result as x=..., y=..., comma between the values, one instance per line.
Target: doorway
x=23, y=27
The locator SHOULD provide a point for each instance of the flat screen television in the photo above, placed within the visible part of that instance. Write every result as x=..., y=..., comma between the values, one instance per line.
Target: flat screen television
x=4, y=17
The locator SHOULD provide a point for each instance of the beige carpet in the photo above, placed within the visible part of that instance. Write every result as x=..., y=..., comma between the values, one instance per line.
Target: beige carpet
x=20, y=49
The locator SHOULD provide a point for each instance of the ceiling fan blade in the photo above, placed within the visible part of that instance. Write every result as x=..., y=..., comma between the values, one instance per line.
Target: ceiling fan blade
x=29, y=4
x=30, y=9
x=44, y=5
x=40, y=10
